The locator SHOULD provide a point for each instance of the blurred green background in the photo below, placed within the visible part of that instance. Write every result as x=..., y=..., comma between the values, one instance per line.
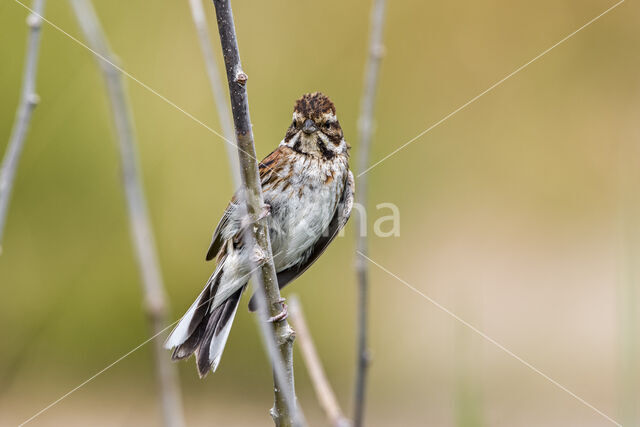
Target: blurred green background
x=520, y=213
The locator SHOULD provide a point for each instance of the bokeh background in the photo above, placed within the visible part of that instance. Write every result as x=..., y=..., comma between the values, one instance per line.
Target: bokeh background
x=520, y=213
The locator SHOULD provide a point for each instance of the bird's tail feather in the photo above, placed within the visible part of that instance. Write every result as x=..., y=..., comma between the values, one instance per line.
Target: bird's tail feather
x=204, y=331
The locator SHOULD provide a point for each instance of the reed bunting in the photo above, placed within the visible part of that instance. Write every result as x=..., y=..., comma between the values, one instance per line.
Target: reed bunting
x=308, y=188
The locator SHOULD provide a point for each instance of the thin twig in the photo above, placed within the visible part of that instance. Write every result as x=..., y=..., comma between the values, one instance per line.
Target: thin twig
x=365, y=130
x=224, y=115
x=324, y=392
x=628, y=279
x=285, y=411
x=28, y=101
x=141, y=231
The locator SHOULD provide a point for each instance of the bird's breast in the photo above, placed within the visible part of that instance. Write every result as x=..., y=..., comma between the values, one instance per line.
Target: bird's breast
x=302, y=207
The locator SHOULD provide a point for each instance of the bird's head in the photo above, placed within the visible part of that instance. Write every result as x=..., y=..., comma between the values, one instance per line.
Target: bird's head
x=315, y=129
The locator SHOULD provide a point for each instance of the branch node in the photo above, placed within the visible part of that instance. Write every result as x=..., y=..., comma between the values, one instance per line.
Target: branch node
x=378, y=51
x=34, y=21
x=33, y=99
x=367, y=358
x=288, y=335
x=19, y=130
x=241, y=77
x=259, y=256
x=155, y=308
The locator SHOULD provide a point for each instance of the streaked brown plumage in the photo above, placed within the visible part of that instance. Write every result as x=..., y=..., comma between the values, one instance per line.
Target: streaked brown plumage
x=307, y=184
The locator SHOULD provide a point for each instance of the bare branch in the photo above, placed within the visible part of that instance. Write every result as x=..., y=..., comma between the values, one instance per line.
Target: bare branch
x=365, y=131
x=279, y=339
x=321, y=385
x=224, y=115
x=141, y=231
x=28, y=101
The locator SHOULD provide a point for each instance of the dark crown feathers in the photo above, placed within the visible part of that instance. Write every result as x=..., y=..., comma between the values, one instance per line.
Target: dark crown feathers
x=313, y=105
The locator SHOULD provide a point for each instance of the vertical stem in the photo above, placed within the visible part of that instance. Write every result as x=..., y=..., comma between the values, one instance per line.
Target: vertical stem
x=28, y=101
x=467, y=398
x=280, y=336
x=141, y=232
x=628, y=278
x=224, y=115
x=365, y=125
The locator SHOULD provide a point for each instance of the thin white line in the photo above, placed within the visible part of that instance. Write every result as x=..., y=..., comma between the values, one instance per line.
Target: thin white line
x=490, y=88
x=121, y=358
x=192, y=117
x=491, y=340
x=147, y=87
x=82, y=384
x=64, y=396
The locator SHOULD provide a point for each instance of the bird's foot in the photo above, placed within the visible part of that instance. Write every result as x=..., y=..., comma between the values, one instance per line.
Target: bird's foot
x=249, y=220
x=264, y=212
x=282, y=315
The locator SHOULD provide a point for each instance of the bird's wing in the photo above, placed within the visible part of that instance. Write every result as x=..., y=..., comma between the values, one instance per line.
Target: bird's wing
x=217, y=240
x=267, y=168
x=340, y=218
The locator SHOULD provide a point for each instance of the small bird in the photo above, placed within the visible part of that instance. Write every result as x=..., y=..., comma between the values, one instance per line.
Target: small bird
x=308, y=190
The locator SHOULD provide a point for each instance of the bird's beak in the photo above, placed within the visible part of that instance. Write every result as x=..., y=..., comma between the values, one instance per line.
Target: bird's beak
x=309, y=127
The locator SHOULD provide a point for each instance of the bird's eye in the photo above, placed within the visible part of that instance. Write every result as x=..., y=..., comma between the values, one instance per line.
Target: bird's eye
x=293, y=124
x=327, y=125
